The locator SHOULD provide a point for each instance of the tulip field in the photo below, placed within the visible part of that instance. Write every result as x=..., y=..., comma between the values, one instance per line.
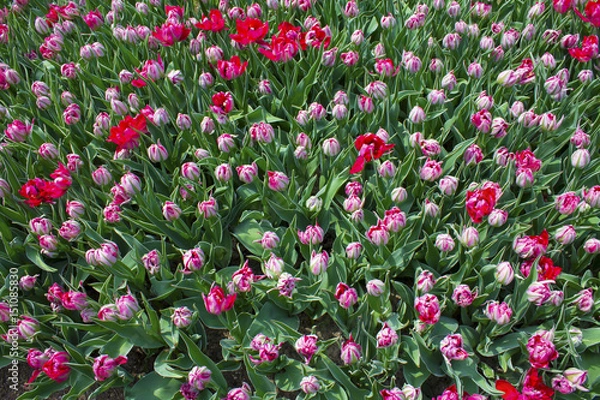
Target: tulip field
x=300, y=199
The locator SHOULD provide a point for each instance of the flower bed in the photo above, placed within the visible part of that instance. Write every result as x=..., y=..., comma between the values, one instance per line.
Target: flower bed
x=300, y=199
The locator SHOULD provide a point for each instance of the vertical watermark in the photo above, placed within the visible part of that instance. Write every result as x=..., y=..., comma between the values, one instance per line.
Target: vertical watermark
x=13, y=334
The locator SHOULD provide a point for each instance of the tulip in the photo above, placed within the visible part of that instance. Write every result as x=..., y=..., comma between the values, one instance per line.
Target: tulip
x=217, y=302
x=399, y=194
x=199, y=377
x=69, y=230
x=277, y=181
x=351, y=351
x=319, y=262
x=26, y=283
x=247, y=173
x=451, y=347
x=104, y=366
x=310, y=384
x=504, y=273
x=27, y=327
x=428, y=308
x=444, y=242
x=386, y=336
x=331, y=147
x=584, y=300
x=285, y=284
x=171, y=211
x=273, y=266
x=223, y=172
x=463, y=296
x=56, y=367
x=306, y=346
x=580, y=158
x=425, y=282
x=151, y=261
x=345, y=295
x=241, y=393
x=181, y=317
x=500, y=313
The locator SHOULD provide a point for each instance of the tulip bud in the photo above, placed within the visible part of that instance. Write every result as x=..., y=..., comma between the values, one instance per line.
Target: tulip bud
x=310, y=384
x=524, y=177
x=26, y=283
x=199, y=377
x=181, y=317
x=277, y=181
x=500, y=313
x=469, y=237
x=585, y=76
x=101, y=176
x=193, y=260
x=306, y=346
x=331, y=147
x=208, y=208
x=183, y=121
x=497, y=218
x=444, y=242
x=504, y=273
x=386, y=336
x=416, y=115
x=580, y=158
x=592, y=196
x=264, y=87
x=151, y=261
x=205, y=80
x=27, y=327
x=449, y=81
x=273, y=266
x=592, y=246
x=351, y=351
x=69, y=230
x=314, y=204
x=171, y=211
x=425, y=282
x=399, y=194
x=40, y=226
x=48, y=243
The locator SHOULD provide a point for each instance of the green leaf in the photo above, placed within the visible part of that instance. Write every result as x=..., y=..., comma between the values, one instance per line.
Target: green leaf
x=445, y=326
x=332, y=188
x=336, y=393
x=80, y=387
x=468, y=368
x=135, y=333
x=153, y=387
x=500, y=345
x=117, y=346
x=247, y=233
x=591, y=336
x=263, y=322
x=414, y=374
x=290, y=376
x=152, y=315
x=165, y=367
x=261, y=383
x=200, y=358
x=456, y=153
x=342, y=378
x=35, y=257
x=42, y=389
x=412, y=349
x=400, y=258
